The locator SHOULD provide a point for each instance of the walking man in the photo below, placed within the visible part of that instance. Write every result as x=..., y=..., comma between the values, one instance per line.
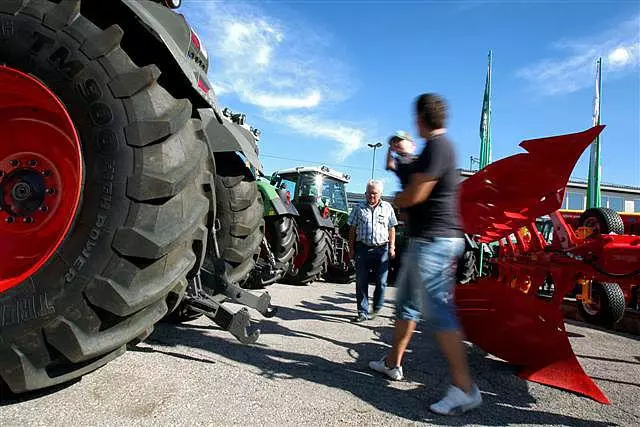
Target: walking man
x=436, y=241
x=372, y=240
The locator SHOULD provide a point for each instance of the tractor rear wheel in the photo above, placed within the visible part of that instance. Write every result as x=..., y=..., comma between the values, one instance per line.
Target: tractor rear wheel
x=100, y=220
x=607, y=306
x=313, y=256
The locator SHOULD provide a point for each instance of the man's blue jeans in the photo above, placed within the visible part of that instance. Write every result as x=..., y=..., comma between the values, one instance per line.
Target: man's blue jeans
x=426, y=282
x=376, y=258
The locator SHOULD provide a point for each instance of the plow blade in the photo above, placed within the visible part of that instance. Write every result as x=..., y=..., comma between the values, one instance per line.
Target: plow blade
x=506, y=315
x=524, y=330
x=513, y=191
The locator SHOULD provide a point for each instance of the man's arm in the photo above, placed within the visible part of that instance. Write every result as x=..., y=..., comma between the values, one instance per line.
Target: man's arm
x=419, y=189
x=392, y=242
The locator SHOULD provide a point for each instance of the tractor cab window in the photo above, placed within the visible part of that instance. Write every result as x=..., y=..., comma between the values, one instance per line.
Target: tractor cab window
x=286, y=183
x=333, y=191
x=307, y=185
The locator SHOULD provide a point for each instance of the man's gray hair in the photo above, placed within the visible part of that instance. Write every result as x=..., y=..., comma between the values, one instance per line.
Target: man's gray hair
x=376, y=183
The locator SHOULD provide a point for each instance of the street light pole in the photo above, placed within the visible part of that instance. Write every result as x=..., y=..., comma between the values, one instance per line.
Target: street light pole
x=375, y=147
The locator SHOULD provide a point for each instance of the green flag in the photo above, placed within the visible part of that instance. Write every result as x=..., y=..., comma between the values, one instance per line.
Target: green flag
x=485, y=121
x=593, y=184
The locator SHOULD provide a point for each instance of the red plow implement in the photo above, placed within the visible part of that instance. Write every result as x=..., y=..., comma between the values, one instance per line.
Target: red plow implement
x=515, y=311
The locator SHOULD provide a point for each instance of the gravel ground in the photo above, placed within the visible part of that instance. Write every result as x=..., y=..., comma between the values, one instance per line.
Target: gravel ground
x=310, y=367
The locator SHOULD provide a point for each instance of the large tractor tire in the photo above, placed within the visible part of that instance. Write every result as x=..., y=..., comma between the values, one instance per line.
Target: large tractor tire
x=103, y=190
x=239, y=210
x=607, y=306
x=313, y=256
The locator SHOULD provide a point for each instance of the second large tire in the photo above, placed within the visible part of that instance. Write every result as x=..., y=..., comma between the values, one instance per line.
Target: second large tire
x=239, y=211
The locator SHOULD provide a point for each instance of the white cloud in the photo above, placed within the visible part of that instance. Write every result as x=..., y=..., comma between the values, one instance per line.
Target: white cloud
x=350, y=137
x=282, y=101
x=619, y=47
x=277, y=65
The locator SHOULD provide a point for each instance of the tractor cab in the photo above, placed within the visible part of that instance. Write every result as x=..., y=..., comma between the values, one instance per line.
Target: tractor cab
x=318, y=186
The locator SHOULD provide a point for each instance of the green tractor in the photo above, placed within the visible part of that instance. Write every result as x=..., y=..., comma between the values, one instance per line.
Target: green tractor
x=279, y=244
x=320, y=196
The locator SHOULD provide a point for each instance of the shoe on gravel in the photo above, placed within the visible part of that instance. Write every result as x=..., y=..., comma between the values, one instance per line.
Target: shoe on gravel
x=381, y=366
x=457, y=402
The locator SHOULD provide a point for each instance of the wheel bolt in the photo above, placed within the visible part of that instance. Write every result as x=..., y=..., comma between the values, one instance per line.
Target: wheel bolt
x=50, y=191
x=27, y=220
x=46, y=173
x=43, y=208
x=9, y=220
x=14, y=163
x=33, y=162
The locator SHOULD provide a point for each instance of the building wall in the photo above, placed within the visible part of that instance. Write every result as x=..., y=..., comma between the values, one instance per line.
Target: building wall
x=576, y=198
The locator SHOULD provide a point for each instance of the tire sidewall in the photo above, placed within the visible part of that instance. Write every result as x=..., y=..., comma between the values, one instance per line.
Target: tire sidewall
x=82, y=86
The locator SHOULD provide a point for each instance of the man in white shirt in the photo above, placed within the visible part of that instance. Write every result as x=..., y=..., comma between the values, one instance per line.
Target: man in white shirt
x=372, y=243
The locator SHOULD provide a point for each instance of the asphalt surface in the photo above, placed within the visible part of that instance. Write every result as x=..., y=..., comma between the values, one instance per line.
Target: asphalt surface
x=310, y=367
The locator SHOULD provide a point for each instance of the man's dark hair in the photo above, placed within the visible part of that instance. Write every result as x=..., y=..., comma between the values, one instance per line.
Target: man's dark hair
x=432, y=110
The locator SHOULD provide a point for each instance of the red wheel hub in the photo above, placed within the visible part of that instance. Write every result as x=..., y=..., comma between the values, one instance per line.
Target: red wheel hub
x=303, y=251
x=40, y=175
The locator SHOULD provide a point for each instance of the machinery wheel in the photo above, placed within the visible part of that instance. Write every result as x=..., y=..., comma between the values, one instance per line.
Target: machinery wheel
x=607, y=305
x=313, y=256
x=100, y=220
x=282, y=235
x=239, y=210
x=602, y=221
x=281, y=232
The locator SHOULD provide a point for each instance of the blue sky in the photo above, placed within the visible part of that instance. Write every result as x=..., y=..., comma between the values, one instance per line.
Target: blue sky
x=321, y=79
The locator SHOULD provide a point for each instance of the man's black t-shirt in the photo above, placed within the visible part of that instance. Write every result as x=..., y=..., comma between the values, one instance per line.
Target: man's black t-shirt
x=438, y=215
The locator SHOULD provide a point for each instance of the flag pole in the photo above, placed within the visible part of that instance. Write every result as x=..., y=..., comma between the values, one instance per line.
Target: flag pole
x=485, y=137
x=594, y=199
x=489, y=112
x=485, y=119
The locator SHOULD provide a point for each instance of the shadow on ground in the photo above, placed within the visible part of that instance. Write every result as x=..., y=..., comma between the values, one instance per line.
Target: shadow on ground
x=506, y=397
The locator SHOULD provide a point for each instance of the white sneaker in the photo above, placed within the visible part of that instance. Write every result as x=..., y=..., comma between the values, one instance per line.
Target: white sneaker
x=381, y=366
x=457, y=401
